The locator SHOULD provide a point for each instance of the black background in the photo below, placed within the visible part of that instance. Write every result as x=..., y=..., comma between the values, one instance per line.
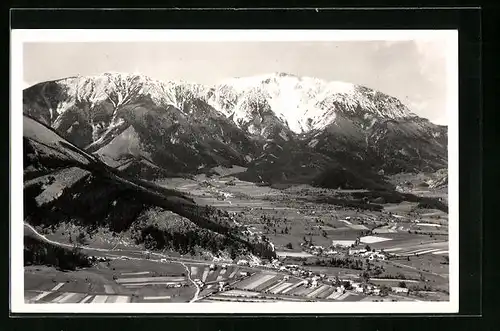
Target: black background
x=472, y=241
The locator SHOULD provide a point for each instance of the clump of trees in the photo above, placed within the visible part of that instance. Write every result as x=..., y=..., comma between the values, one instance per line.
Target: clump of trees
x=156, y=232
x=384, y=290
x=376, y=271
x=347, y=285
x=81, y=238
x=399, y=275
x=41, y=253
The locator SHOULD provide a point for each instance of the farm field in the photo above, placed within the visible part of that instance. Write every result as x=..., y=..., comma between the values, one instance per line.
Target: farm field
x=268, y=211
x=252, y=203
x=274, y=287
x=229, y=274
x=121, y=281
x=287, y=220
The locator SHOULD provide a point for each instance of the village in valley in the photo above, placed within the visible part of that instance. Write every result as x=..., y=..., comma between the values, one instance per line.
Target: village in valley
x=339, y=253
x=323, y=252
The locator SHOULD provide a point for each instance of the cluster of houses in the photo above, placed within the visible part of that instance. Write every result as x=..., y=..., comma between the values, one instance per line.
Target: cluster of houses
x=313, y=280
x=361, y=288
x=368, y=289
x=370, y=254
x=340, y=247
x=316, y=249
x=297, y=271
x=276, y=264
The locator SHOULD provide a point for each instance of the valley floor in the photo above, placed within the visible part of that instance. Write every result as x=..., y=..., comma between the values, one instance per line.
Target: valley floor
x=417, y=254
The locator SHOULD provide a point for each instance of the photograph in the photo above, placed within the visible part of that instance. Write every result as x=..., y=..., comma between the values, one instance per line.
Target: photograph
x=245, y=171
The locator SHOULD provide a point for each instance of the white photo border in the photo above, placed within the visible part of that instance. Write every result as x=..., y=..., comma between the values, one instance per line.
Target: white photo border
x=19, y=37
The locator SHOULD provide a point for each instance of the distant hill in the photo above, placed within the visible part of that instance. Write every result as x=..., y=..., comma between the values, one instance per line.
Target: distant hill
x=63, y=183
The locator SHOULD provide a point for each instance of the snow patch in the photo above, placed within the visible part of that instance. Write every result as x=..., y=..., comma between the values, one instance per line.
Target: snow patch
x=313, y=143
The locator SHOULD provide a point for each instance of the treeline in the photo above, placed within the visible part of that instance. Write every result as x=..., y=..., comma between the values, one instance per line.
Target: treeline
x=391, y=196
x=41, y=253
x=346, y=263
x=156, y=230
x=108, y=201
x=351, y=177
x=187, y=242
x=432, y=203
x=190, y=242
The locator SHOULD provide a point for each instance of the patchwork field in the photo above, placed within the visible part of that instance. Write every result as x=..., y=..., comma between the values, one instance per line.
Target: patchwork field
x=273, y=286
x=207, y=276
x=418, y=251
x=119, y=281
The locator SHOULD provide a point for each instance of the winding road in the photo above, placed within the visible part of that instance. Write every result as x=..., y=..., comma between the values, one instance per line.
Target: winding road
x=169, y=259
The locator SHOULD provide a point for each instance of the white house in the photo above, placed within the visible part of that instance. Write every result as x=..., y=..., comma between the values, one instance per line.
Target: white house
x=242, y=262
x=397, y=289
x=331, y=252
x=343, y=243
x=357, y=251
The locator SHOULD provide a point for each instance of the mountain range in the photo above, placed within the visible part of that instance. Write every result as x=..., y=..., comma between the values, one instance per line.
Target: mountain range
x=282, y=128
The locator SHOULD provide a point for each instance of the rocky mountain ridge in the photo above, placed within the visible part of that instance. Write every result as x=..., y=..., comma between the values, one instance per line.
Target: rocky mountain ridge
x=310, y=125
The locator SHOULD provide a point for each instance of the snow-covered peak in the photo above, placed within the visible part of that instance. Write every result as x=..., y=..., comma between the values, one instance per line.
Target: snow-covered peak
x=301, y=103
x=121, y=88
x=280, y=78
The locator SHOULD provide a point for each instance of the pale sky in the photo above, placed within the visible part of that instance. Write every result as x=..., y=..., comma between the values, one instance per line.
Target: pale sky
x=412, y=71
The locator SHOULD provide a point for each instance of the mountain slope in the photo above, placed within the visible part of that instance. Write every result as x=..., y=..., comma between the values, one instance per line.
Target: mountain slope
x=151, y=128
x=335, y=119
x=301, y=104
x=166, y=124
